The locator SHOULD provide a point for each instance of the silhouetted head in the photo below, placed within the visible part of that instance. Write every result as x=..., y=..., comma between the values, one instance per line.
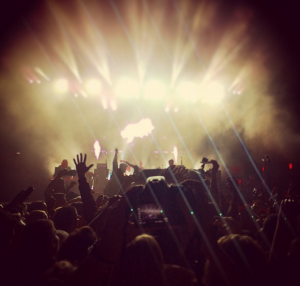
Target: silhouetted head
x=143, y=262
x=64, y=163
x=248, y=260
x=171, y=162
x=123, y=167
x=37, y=205
x=75, y=247
x=65, y=218
x=36, y=215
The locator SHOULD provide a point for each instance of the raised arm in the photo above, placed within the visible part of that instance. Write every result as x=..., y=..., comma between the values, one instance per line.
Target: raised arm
x=129, y=164
x=89, y=204
x=115, y=162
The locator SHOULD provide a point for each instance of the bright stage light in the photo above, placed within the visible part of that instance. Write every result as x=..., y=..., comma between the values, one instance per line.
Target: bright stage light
x=155, y=89
x=141, y=129
x=61, y=86
x=127, y=87
x=188, y=91
x=93, y=86
x=213, y=93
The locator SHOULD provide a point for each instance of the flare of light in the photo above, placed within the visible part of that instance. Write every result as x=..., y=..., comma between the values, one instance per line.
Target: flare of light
x=61, y=86
x=188, y=91
x=175, y=151
x=141, y=129
x=97, y=149
x=155, y=89
x=127, y=87
x=40, y=72
x=93, y=86
x=213, y=93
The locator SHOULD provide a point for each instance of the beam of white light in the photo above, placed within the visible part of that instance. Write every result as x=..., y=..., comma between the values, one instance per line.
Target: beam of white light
x=93, y=86
x=155, y=89
x=175, y=151
x=40, y=72
x=61, y=45
x=61, y=86
x=83, y=94
x=189, y=91
x=127, y=87
x=213, y=93
x=140, y=129
x=97, y=149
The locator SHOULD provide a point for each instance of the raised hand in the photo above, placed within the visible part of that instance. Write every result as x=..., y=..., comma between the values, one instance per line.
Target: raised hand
x=81, y=167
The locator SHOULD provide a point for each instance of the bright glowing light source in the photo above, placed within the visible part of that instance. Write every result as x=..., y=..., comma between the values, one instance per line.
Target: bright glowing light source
x=214, y=93
x=97, y=149
x=192, y=212
x=113, y=105
x=176, y=109
x=127, y=87
x=61, y=86
x=93, y=86
x=290, y=166
x=188, y=91
x=155, y=89
x=175, y=151
x=140, y=129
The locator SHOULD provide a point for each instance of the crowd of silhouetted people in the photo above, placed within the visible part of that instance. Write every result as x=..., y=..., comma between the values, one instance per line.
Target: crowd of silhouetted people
x=171, y=229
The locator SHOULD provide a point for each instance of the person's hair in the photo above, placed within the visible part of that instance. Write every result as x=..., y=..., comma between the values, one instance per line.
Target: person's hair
x=75, y=247
x=37, y=205
x=36, y=215
x=123, y=167
x=79, y=207
x=65, y=218
x=38, y=239
x=7, y=226
x=59, y=273
x=247, y=256
x=142, y=263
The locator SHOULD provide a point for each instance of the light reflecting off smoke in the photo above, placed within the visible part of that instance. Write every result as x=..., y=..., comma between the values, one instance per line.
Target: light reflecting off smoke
x=141, y=129
x=175, y=151
x=97, y=149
